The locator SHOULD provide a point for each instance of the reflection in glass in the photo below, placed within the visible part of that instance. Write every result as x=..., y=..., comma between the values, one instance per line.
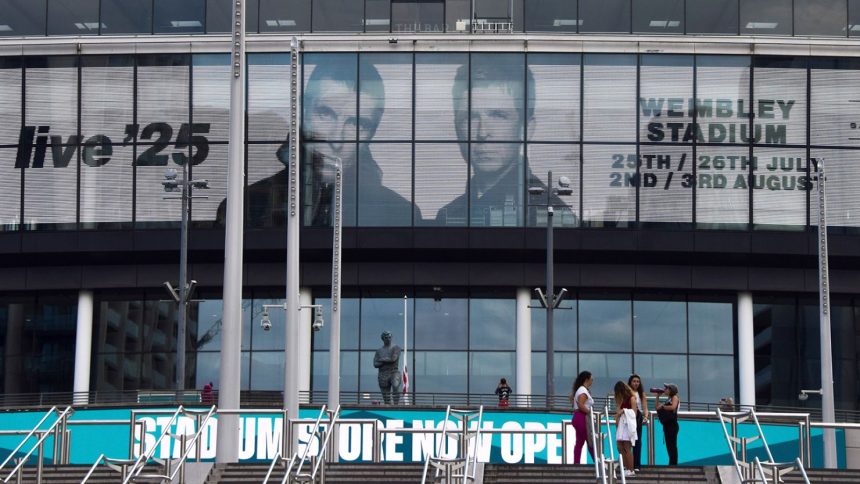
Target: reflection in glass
x=458, y=16
x=207, y=369
x=604, y=16
x=337, y=16
x=658, y=17
x=606, y=369
x=349, y=317
x=273, y=339
x=853, y=18
x=492, y=324
x=551, y=16
x=73, y=17
x=185, y=17
x=711, y=327
x=712, y=16
x=285, y=15
x=564, y=326
x=442, y=324
x=766, y=17
x=266, y=200
x=126, y=17
x=417, y=15
x=566, y=369
x=219, y=16
x=656, y=370
x=820, y=17
x=605, y=325
x=440, y=372
x=487, y=368
x=563, y=160
x=723, y=88
x=23, y=17
x=666, y=85
x=268, y=370
x=711, y=378
x=376, y=207
x=660, y=326
x=842, y=171
x=377, y=15
x=383, y=314
x=348, y=371
x=608, y=190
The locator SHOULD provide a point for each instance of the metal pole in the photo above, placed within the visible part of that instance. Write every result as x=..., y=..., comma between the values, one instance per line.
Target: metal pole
x=550, y=294
x=182, y=316
x=334, y=335
x=828, y=412
x=405, y=395
x=291, y=358
x=230, y=376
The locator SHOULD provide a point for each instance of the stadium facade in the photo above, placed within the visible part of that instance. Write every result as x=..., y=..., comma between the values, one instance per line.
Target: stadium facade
x=686, y=130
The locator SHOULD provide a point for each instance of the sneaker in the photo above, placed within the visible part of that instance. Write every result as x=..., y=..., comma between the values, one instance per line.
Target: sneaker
x=629, y=473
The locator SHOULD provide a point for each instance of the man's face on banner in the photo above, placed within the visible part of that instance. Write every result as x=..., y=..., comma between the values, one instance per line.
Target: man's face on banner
x=496, y=124
x=331, y=118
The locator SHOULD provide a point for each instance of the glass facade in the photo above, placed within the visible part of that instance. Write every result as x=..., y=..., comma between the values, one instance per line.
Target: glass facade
x=831, y=18
x=434, y=139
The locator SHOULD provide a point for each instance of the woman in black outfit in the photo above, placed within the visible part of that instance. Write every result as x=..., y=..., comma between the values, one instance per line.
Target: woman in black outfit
x=670, y=425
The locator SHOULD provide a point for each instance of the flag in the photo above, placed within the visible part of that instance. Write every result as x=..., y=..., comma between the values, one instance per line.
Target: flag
x=405, y=379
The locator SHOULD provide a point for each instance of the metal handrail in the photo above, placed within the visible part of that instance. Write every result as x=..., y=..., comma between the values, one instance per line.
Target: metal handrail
x=598, y=463
x=38, y=445
x=759, y=470
x=324, y=445
x=301, y=463
x=180, y=465
x=27, y=437
x=761, y=435
x=111, y=463
x=802, y=470
x=611, y=448
x=137, y=467
x=732, y=449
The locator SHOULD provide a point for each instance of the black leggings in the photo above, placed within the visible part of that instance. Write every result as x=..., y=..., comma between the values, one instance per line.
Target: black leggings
x=670, y=433
x=637, y=449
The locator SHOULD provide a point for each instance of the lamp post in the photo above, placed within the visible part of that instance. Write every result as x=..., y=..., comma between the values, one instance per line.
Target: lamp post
x=186, y=188
x=828, y=412
x=550, y=300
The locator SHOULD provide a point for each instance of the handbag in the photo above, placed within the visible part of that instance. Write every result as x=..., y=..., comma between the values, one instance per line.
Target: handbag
x=667, y=417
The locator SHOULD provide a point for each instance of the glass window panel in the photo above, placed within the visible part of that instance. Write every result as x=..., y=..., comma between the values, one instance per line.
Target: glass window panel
x=106, y=189
x=162, y=92
x=832, y=114
x=666, y=87
x=496, y=186
x=23, y=17
x=853, y=18
x=656, y=370
x=386, y=100
x=660, y=326
x=273, y=339
x=780, y=184
x=73, y=17
x=842, y=170
x=207, y=369
x=268, y=99
x=711, y=378
x=126, y=17
x=488, y=367
x=267, y=187
x=440, y=183
x=368, y=376
x=604, y=16
x=609, y=98
x=566, y=369
x=213, y=168
x=107, y=96
x=382, y=314
x=52, y=96
x=185, y=17
x=766, y=17
x=712, y=16
x=385, y=185
x=492, y=324
x=348, y=372
x=722, y=187
x=319, y=186
x=440, y=77
x=442, y=324
x=722, y=93
x=551, y=16
x=820, y=17
x=219, y=16
x=497, y=97
x=606, y=369
x=658, y=17
x=564, y=326
x=267, y=370
x=205, y=324
x=458, y=15
x=158, y=331
x=285, y=15
x=417, y=15
x=330, y=100
x=210, y=100
x=780, y=101
x=563, y=160
x=666, y=191
x=10, y=191
x=608, y=185
x=377, y=15
x=10, y=100
x=711, y=327
x=349, y=317
x=553, y=110
x=440, y=372
x=605, y=325
x=338, y=16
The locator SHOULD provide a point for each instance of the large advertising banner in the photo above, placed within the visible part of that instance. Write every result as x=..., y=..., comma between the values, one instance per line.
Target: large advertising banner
x=407, y=435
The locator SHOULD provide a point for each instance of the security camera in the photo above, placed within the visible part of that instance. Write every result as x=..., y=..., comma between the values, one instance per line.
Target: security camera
x=318, y=319
x=803, y=397
x=564, y=181
x=265, y=322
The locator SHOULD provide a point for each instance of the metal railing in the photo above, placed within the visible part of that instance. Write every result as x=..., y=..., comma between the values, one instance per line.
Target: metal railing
x=611, y=462
x=187, y=447
x=146, y=455
x=55, y=429
x=447, y=470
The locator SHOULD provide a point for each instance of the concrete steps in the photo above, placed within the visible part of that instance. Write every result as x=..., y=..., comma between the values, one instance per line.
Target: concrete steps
x=73, y=474
x=825, y=476
x=336, y=473
x=570, y=474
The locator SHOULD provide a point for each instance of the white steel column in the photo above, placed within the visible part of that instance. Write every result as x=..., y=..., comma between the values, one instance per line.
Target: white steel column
x=524, y=345
x=83, y=346
x=230, y=374
x=746, y=350
x=307, y=314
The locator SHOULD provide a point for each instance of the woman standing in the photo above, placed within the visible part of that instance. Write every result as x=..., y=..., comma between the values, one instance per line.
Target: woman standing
x=625, y=423
x=668, y=413
x=582, y=403
x=642, y=415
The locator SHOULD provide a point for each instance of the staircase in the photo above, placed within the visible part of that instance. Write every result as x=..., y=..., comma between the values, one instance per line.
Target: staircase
x=572, y=474
x=74, y=474
x=824, y=476
x=336, y=473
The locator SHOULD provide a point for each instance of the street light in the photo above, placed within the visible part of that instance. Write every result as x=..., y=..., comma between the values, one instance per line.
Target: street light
x=550, y=300
x=186, y=188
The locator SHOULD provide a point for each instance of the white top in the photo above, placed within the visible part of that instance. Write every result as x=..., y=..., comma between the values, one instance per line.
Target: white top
x=589, y=402
x=639, y=402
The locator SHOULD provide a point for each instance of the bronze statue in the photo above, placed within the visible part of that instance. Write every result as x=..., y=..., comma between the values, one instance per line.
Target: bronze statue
x=387, y=360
